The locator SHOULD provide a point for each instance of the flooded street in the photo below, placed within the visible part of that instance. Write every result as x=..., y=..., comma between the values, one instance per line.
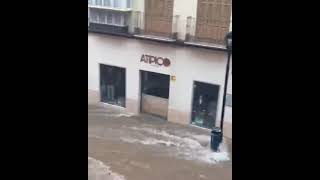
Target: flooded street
x=126, y=147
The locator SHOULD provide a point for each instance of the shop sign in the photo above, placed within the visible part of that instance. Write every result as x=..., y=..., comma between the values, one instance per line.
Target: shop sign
x=154, y=60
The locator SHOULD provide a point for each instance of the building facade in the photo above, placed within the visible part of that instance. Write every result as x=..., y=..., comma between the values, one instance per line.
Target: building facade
x=169, y=60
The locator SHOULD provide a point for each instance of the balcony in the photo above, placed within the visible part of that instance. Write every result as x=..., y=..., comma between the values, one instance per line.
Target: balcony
x=110, y=22
x=206, y=34
x=155, y=27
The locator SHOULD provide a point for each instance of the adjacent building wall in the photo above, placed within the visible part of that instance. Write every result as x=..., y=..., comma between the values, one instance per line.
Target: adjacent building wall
x=187, y=65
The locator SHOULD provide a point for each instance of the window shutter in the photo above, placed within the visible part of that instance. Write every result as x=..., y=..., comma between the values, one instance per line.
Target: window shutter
x=213, y=20
x=158, y=16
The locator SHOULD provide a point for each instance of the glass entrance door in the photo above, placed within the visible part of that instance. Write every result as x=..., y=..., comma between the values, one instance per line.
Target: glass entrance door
x=204, y=106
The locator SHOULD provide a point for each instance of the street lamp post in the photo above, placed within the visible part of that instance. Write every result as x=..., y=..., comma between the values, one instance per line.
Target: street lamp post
x=228, y=40
x=217, y=132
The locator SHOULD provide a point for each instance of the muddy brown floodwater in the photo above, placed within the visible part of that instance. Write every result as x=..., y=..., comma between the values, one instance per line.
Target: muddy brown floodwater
x=125, y=147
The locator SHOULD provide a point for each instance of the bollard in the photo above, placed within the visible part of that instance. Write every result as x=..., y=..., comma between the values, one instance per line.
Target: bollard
x=216, y=138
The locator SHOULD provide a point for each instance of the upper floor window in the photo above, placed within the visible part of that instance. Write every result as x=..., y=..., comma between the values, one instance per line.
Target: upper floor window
x=117, y=19
x=106, y=2
x=116, y=3
x=110, y=17
x=99, y=2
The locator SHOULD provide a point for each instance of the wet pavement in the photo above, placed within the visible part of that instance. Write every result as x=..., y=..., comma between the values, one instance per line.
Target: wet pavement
x=126, y=147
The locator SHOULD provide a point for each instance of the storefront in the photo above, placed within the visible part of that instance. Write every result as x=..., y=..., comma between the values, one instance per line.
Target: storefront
x=112, y=85
x=154, y=93
x=180, y=84
x=204, y=106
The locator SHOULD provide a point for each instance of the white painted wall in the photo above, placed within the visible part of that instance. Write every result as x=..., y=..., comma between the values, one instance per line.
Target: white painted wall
x=184, y=9
x=229, y=87
x=187, y=64
x=138, y=5
x=228, y=112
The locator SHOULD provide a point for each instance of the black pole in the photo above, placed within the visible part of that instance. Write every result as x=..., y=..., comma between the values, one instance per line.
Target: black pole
x=217, y=133
x=225, y=91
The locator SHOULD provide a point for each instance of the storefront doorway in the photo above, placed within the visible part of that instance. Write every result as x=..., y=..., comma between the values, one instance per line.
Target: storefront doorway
x=155, y=93
x=204, y=106
x=112, y=85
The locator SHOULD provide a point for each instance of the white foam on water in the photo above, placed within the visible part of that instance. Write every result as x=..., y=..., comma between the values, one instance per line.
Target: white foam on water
x=206, y=155
x=201, y=176
x=94, y=136
x=188, y=147
x=98, y=170
x=129, y=140
x=201, y=138
x=191, y=143
x=119, y=115
x=154, y=131
x=150, y=141
x=124, y=115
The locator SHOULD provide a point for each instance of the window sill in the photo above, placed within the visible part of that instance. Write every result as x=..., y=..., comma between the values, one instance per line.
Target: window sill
x=206, y=45
x=156, y=38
